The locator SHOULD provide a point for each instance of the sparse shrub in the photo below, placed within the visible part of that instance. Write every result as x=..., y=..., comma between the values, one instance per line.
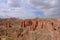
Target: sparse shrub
x=9, y=38
x=2, y=31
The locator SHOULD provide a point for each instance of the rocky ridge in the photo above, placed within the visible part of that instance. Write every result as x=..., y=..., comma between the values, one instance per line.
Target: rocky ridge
x=31, y=28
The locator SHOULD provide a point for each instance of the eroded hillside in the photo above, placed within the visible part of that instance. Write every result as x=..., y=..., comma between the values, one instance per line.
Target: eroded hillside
x=30, y=29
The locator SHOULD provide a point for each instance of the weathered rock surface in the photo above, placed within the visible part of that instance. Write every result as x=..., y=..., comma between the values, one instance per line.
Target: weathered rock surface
x=31, y=29
x=33, y=24
x=38, y=23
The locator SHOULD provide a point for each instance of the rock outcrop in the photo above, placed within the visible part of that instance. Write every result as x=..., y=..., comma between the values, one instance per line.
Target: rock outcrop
x=31, y=29
x=37, y=23
x=33, y=24
x=7, y=25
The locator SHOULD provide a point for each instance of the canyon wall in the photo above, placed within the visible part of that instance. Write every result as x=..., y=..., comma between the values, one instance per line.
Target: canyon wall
x=50, y=24
x=40, y=23
x=31, y=29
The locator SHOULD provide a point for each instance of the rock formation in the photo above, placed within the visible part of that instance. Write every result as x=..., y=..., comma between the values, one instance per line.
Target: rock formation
x=36, y=23
x=31, y=29
x=7, y=25
x=40, y=23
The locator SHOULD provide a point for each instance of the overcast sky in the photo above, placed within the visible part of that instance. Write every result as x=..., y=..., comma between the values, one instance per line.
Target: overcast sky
x=30, y=8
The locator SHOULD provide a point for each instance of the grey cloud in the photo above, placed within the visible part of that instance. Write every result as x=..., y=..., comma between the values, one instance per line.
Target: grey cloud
x=15, y=3
x=14, y=8
x=43, y=3
x=21, y=12
x=51, y=8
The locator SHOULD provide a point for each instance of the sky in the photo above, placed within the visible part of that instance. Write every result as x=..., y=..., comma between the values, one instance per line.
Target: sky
x=30, y=8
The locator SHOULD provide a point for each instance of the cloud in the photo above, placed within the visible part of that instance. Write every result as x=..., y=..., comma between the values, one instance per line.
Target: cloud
x=17, y=8
x=30, y=8
x=51, y=8
x=14, y=3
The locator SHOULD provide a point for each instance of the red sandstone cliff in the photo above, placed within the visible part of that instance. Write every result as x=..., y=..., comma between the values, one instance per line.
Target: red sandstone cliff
x=39, y=23
x=31, y=28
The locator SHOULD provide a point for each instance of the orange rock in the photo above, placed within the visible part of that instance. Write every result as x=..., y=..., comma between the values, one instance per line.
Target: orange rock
x=49, y=26
x=14, y=34
x=7, y=25
x=37, y=23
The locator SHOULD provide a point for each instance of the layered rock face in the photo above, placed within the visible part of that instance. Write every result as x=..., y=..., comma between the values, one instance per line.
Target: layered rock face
x=31, y=29
x=38, y=23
